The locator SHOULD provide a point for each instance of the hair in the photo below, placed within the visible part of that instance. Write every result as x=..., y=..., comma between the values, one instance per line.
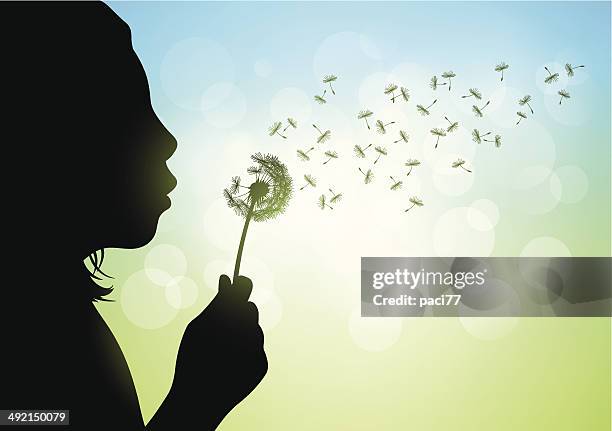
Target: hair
x=98, y=292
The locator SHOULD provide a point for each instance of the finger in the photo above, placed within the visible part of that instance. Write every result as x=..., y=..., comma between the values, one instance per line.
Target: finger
x=224, y=284
x=243, y=287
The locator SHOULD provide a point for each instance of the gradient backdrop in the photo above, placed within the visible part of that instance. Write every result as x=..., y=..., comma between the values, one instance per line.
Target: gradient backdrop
x=221, y=73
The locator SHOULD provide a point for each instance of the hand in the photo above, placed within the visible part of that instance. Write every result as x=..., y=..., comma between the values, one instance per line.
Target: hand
x=220, y=361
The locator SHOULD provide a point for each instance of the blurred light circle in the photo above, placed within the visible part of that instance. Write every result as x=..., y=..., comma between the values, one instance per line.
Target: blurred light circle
x=164, y=262
x=190, y=67
x=181, y=292
x=489, y=208
x=574, y=184
x=223, y=105
x=455, y=235
x=144, y=303
x=374, y=334
x=545, y=246
x=213, y=270
x=489, y=328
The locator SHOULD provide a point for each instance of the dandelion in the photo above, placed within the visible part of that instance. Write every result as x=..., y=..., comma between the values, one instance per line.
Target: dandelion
x=382, y=151
x=321, y=99
x=477, y=137
x=330, y=155
x=266, y=198
x=449, y=75
x=336, y=197
x=500, y=68
x=390, y=90
x=564, y=95
x=425, y=111
x=274, y=129
x=322, y=203
x=404, y=94
x=415, y=202
x=433, y=83
x=403, y=137
x=290, y=123
x=364, y=115
x=303, y=155
x=323, y=136
x=473, y=93
x=570, y=69
x=396, y=185
x=368, y=176
x=438, y=133
x=328, y=79
x=381, y=127
x=411, y=163
x=310, y=181
x=360, y=152
x=452, y=126
x=497, y=141
x=525, y=101
x=478, y=111
x=552, y=77
x=521, y=115
x=459, y=164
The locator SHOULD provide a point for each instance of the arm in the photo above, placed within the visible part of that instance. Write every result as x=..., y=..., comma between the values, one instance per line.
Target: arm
x=220, y=361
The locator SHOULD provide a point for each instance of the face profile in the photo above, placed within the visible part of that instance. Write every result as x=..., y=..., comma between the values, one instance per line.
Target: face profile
x=85, y=170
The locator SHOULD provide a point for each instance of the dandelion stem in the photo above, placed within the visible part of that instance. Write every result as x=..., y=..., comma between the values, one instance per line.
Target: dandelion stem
x=412, y=206
x=242, y=238
x=467, y=170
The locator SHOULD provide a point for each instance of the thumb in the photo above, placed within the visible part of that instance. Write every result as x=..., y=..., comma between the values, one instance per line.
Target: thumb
x=225, y=285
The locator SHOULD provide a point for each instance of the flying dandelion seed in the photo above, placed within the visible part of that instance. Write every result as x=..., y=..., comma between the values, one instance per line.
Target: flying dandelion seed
x=525, y=101
x=323, y=136
x=360, y=152
x=570, y=69
x=501, y=67
x=303, y=155
x=473, y=93
x=459, y=164
x=438, y=133
x=364, y=115
x=415, y=202
x=336, y=197
x=396, y=185
x=328, y=79
x=452, y=126
x=433, y=83
x=564, y=95
x=449, y=75
x=310, y=181
x=552, y=77
x=521, y=115
x=404, y=94
x=381, y=127
x=423, y=110
x=411, y=163
x=477, y=137
x=478, y=111
x=321, y=99
x=266, y=198
x=322, y=203
x=275, y=129
x=330, y=155
x=382, y=151
x=403, y=137
x=368, y=176
x=290, y=123
x=497, y=140
x=390, y=90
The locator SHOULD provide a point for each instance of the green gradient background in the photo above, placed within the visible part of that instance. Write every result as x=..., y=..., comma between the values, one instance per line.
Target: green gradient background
x=542, y=374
